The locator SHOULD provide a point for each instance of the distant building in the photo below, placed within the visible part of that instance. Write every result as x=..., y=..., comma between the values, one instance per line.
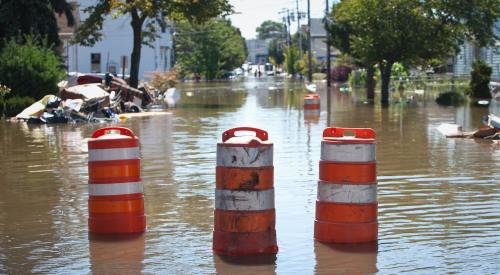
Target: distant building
x=462, y=63
x=318, y=41
x=112, y=53
x=258, y=51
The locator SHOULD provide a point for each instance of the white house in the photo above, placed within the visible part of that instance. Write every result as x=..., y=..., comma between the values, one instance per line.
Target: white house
x=468, y=54
x=112, y=53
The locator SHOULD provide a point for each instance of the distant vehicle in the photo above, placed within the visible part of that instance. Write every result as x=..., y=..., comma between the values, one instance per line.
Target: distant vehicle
x=269, y=69
x=229, y=75
x=238, y=71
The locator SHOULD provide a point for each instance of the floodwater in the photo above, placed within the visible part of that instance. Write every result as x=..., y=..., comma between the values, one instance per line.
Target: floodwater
x=439, y=199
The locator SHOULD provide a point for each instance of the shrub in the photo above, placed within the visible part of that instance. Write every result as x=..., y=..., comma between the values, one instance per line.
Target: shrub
x=30, y=70
x=450, y=98
x=480, y=79
x=161, y=81
x=341, y=73
x=15, y=105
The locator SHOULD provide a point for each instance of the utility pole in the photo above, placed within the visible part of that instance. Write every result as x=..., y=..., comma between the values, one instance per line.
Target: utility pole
x=309, y=42
x=298, y=28
x=328, y=61
x=289, y=37
x=286, y=24
x=328, y=66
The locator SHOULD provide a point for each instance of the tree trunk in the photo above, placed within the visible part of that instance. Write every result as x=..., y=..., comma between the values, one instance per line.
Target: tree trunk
x=385, y=70
x=135, y=58
x=370, y=84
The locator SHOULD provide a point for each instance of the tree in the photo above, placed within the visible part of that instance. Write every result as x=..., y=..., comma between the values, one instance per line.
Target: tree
x=146, y=18
x=302, y=64
x=33, y=17
x=270, y=29
x=30, y=69
x=276, y=54
x=209, y=49
x=291, y=58
x=480, y=80
x=411, y=31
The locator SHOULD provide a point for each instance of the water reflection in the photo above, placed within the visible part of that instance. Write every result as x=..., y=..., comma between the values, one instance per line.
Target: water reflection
x=345, y=258
x=117, y=254
x=438, y=197
x=251, y=265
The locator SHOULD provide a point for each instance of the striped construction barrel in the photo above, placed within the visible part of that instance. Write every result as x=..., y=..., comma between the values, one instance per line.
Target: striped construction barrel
x=346, y=206
x=116, y=199
x=311, y=101
x=244, y=216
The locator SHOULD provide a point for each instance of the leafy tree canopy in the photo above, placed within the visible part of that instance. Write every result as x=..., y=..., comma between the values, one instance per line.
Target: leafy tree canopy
x=270, y=29
x=33, y=17
x=411, y=31
x=146, y=18
x=275, y=49
x=30, y=69
x=209, y=49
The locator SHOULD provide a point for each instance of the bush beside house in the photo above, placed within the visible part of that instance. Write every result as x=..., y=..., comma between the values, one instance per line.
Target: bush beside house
x=31, y=71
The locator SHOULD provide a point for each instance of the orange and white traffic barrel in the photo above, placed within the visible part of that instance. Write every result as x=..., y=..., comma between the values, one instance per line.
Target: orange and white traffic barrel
x=346, y=207
x=244, y=217
x=116, y=197
x=311, y=101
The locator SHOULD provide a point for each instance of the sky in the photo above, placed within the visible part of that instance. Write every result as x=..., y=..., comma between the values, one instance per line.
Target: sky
x=251, y=13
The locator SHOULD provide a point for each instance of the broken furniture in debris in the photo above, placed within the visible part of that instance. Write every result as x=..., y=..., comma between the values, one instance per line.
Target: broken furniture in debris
x=92, y=99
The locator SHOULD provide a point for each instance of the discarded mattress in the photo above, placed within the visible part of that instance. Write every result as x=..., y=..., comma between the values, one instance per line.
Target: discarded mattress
x=38, y=108
x=85, y=92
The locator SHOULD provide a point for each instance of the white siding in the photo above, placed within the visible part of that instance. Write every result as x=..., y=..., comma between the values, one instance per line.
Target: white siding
x=117, y=42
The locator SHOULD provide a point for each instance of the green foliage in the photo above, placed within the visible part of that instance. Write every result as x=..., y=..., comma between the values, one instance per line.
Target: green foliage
x=450, y=98
x=4, y=90
x=14, y=105
x=399, y=70
x=147, y=18
x=303, y=40
x=480, y=79
x=30, y=69
x=270, y=29
x=344, y=60
x=276, y=53
x=302, y=64
x=412, y=31
x=210, y=49
x=33, y=17
x=291, y=58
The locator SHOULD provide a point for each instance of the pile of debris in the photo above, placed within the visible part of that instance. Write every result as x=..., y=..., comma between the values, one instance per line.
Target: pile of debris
x=92, y=99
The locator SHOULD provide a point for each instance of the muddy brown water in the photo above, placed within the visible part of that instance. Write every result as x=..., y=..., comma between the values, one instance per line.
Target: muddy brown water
x=439, y=199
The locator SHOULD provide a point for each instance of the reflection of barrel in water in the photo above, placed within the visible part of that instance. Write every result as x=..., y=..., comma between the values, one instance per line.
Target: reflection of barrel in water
x=251, y=265
x=312, y=115
x=346, y=258
x=117, y=254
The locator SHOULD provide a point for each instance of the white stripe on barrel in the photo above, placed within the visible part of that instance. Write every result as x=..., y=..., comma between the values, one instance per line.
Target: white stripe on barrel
x=232, y=156
x=236, y=200
x=347, y=152
x=311, y=101
x=347, y=193
x=110, y=189
x=114, y=154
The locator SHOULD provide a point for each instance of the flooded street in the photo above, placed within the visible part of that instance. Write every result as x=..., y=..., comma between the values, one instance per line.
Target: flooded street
x=439, y=199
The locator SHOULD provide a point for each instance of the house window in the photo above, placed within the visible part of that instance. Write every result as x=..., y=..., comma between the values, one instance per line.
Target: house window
x=95, y=62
